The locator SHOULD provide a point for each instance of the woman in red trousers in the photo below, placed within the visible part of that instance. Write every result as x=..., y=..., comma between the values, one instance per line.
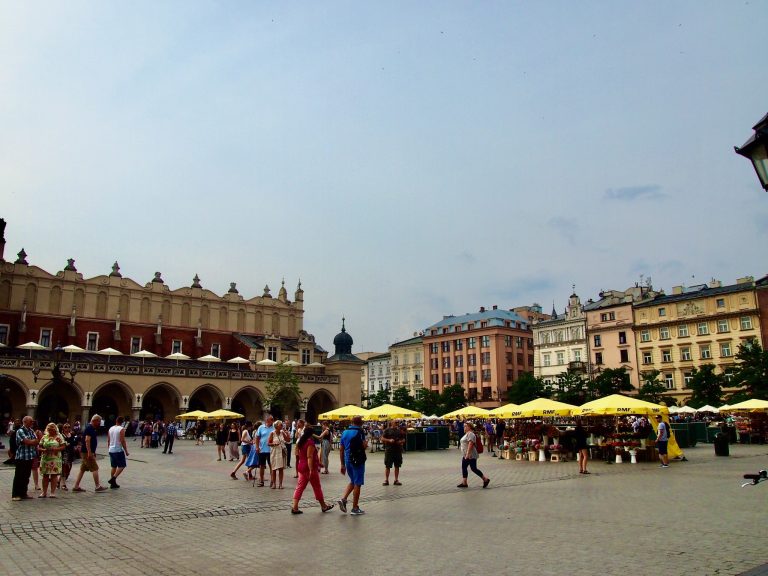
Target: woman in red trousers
x=308, y=467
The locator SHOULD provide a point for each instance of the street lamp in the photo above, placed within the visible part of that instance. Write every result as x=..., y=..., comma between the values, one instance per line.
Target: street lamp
x=756, y=150
x=58, y=356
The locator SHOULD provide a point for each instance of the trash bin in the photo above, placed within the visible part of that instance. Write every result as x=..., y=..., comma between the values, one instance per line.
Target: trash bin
x=721, y=444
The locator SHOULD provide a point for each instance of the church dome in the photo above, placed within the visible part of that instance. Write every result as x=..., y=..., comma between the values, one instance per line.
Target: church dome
x=343, y=341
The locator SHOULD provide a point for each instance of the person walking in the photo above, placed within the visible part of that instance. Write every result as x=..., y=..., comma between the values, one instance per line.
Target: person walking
x=245, y=448
x=170, y=437
x=469, y=455
x=277, y=455
x=233, y=437
x=582, y=450
x=88, y=456
x=221, y=442
x=261, y=442
x=26, y=451
x=352, y=446
x=393, y=440
x=68, y=455
x=50, y=448
x=118, y=450
x=289, y=429
x=297, y=433
x=662, y=439
x=308, y=468
x=325, y=446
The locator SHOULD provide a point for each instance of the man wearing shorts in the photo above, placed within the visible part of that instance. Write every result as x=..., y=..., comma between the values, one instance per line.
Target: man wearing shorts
x=117, y=451
x=262, y=446
x=88, y=455
x=356, y=473
x=393, y=440
x=662, y=438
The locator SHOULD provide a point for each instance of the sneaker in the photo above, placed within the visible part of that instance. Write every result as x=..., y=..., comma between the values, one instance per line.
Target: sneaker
x=343, y=505
x=486, y=482
x=17, y=499
x=665, y=465
x=356, y=512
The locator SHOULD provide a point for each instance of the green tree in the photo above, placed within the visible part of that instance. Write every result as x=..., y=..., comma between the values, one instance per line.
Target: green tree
x=401, y=396
x=527, y=387
x=652, y=388
x=570, y=387
x=283, y=389
x=707, y=386
x=610, y=381
x=428, y=402
x=752, y=369
x=452, y=398
x=381, y=397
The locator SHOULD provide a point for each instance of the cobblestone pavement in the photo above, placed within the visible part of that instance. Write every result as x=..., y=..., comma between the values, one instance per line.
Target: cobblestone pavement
x=182, y=514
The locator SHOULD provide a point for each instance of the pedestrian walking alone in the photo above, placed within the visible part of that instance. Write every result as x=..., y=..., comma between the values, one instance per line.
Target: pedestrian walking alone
x=469, y=455
x=308, y=468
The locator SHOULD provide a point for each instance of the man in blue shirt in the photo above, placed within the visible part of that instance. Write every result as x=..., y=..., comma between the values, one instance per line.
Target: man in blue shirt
x=170, y=437
x=88, y=455
x=26, y=450
x=353, y=442
x=262, y=446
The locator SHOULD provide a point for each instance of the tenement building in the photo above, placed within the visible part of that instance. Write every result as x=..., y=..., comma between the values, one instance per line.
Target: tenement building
x=560, y=342
x=407, y=364
x=145, y=350
x=483, y=352
x=703, y=324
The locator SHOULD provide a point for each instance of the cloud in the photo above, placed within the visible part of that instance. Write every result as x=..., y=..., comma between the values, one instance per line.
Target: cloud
x=630, y=193
x=566, y=227
x=466, y=258
x=522, y=289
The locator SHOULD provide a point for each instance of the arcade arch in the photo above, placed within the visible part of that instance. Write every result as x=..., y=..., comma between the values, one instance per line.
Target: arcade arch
x=249, y=402
x=206, y=398
x=160, y=401
x=110, y=400
x=320, y=401
x=13, y=399
x=59, y=401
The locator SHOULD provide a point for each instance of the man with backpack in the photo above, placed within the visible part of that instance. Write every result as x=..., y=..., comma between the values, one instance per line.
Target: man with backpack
x=352, y=447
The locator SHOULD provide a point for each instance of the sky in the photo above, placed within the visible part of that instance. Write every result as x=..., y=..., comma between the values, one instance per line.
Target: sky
x=404, y=160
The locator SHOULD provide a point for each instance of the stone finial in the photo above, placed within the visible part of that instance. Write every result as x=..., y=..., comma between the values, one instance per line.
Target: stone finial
x=157, y=278
x=266, y=292
x=22, y=257
x=116, y=270
x=70, y=265
x=196, y=282
x=233, y=288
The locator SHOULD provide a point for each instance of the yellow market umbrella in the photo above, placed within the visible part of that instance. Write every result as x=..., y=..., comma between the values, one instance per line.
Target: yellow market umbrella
x=222, y=414
x=617, y=405
x=753, y=405
x=468, y=412
x=504, y=411
x=543, y=408
x=391, y=412
x=194, y=415
x=344, y=413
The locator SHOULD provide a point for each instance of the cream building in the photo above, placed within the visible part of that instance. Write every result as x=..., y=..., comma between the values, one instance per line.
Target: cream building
x=379, y=373
x=407, y=364
x=693, y=326
x=560, y=342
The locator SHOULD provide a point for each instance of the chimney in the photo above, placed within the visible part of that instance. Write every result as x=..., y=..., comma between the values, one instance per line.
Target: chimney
x=715, y=283
x=745, y=280
x=677, y=290
x=495, y=307
x=482, y=308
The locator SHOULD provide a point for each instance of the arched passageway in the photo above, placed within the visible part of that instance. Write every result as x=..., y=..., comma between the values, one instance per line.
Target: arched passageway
x=111, y=400
x=321, y=401
x=248, y=402
x=13, y=401
x=160, y=402
x=59, y=401
x=206, y=398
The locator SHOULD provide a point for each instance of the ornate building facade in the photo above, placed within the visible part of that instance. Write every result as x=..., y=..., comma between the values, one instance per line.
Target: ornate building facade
x=560, y=342
x=110, y=311
x=407, y=364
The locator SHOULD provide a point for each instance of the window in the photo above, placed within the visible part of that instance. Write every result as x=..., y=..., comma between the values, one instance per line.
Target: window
x=446, y=346
x=458, y=361
x=306, y=356
x=135, y=344
x=702, y=328
x=721, y=302
x=746, y=323
x=647, y=357
x=622, y=337
x=433, y=363
x=666, y=355
x=518, y=341
x=722, y=326
x=547, y=359
x=664, y=333
x=682, y=330
x=459, y=378
x=704, y=352
x=472, y=359
x=485, y=358
x=487, y=375
x=662, y=311
x=645, y=336
x=685, y=354
x=92, y=341
x=725, y=349
x=508, y=356
x=624, y=355
x=577, y=355
x=433, y=348
x=510, y=375
x=472, y=376
x=598, y=341
x=560, y=358
x=483, y=324
x=605, y=316
x=598, y=358
x=458, y=345
x=669, y=381
x=485, y=342
x=447, y=378
x=435, y=380
x=417, y=357
x=687, y=377
x=471, y=342
x=176, y=347
x=446, y=362
x=272, y=354
x=457, y=328
x=45, y=337
x=508, y=341
x=4, y=328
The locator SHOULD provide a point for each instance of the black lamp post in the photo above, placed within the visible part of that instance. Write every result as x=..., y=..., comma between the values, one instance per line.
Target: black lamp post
x=58, y=356
x=756, y=150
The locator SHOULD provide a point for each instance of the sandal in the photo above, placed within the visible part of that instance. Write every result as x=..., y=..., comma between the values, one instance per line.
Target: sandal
x=385, y=483
x=42, y=496
x=398, y=483
x=78, y=489
x=296, y=511
x=65, y=488
x=329, y=507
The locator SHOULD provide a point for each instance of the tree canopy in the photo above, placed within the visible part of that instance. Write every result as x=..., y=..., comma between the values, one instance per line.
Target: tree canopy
x=706, y=386
x=283, y=389
x=652, y=388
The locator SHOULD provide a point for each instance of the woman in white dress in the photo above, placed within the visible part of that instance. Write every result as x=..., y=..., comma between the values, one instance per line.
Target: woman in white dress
x=277, y=455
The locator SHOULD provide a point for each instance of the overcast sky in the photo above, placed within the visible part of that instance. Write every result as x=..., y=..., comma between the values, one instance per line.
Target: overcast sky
x=406, y=160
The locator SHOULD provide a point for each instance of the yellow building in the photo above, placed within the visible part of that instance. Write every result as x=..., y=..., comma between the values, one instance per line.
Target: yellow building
x=693, y=326
x=407, y=364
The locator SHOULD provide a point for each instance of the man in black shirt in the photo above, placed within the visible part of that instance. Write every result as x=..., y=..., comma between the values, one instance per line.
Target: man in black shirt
x=393, y=440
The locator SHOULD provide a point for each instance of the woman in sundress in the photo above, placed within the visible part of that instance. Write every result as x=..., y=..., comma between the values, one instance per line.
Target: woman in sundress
x=277, y=454
x=51, y=445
